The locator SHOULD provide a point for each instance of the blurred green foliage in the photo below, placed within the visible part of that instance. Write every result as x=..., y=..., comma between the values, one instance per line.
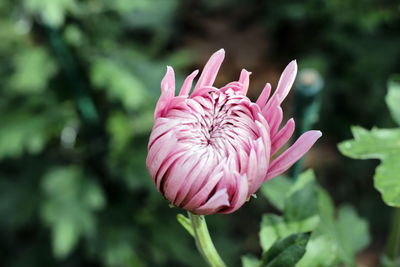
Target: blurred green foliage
x=70, y=202
x=307, y=207
x=79, y=80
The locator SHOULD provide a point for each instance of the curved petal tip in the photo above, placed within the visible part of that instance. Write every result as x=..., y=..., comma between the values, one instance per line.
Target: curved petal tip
x=286, y=81
x=245, y=80
x=168, y=82
x=210, y=70
x=221, y=51
x=316, y=133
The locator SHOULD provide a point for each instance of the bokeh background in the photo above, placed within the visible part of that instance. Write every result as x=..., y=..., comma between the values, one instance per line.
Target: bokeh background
x=78, y=84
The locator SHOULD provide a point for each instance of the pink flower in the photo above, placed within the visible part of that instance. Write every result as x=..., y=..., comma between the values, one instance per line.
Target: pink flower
x=210, y=150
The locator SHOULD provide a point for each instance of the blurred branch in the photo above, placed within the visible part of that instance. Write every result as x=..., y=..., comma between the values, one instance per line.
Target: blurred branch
x=67, y=62
x=392, y=253
x=307, y=100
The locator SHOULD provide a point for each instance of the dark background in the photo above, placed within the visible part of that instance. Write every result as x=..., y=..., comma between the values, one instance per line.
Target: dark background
x=79, y=81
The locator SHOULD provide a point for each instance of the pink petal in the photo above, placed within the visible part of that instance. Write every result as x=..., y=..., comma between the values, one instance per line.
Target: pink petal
x=276, y=120
x=187, y=84
x=263, y=98
x=286, y=81
x=161, y=127
x=252, y=170
x=218, y=201
x=235, y=86
x=178, y=174
x=202, y=168
x=166, y=165
x=263, y=164
x=167, y=92
x=273, y=114
x=263, y=129
x=293, y=153
x=204, y=192
x=204, y=91
x=261, y=146
x=259, y=117
x=158, y=151
x=241, y=194
x=245, y=80
x=282, y=136
x=270, y=108
x=210, y=70
x=195, y=183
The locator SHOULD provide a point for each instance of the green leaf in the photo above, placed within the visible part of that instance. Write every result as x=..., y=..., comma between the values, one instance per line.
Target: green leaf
x=300, y=210
x=334, y=241
x=125, y=6
x=276, y=190
x=33, y=69
x=118, y=82
x=156, y=14
x=383, y=144
x=351, y=239
x=374, y=144
x=68, y=209
x=387, y=180
x=320, y=251
x=52, y=12
x=250, y=261
x=326, y=208
x=185, y=222
x=286, y=252
x=302, y=200
x=65, y=237
x=23, y=132
x=274, y=227
x=120, y=129
x=393, y=98
x=307, y=207
x=73, y=35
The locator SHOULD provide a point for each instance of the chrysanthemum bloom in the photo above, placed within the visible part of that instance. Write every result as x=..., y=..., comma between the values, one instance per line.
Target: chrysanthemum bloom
x=211, y=149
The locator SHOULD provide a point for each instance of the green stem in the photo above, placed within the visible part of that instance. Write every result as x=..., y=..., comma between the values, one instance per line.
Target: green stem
x=204, y=242
x=393, y=244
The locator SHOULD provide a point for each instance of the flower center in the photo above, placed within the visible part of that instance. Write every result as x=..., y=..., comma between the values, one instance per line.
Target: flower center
x=216, y=120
